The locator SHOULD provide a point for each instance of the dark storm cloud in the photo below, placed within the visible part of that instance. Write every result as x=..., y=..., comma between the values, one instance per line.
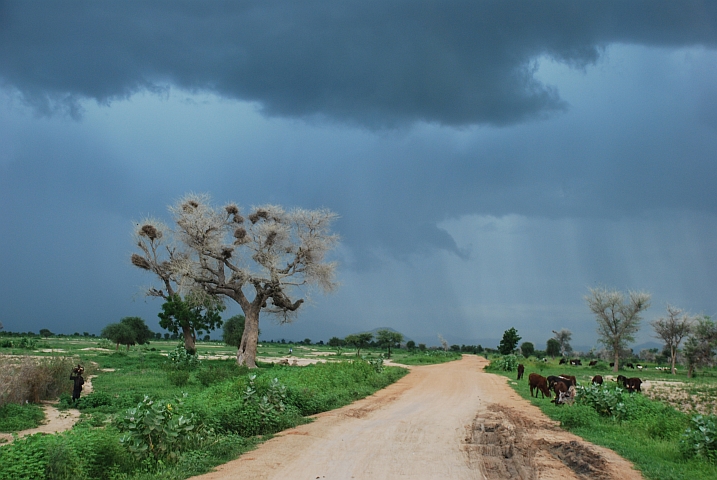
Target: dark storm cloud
x=372, y=63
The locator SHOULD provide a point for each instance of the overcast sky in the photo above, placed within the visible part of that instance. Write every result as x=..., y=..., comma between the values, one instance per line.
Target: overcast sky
x=490, y=161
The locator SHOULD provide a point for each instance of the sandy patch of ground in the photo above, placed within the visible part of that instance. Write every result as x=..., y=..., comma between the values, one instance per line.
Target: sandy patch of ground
x=55, y=421
x=451, y=420
x=97, y=349
x=291, y=360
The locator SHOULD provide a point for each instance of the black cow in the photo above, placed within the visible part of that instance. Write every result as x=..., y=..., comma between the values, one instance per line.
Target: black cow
x=622, y=381
x=633, y=384
x=576, y=362
x=592, y=363
x=562, y=361
x=630, y=365
x=597, y=380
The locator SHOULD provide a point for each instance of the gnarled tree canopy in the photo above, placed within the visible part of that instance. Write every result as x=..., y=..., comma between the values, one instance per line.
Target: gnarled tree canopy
x=268, y=260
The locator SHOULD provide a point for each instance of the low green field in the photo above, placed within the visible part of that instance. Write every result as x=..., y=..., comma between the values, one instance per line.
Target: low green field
x=226, y=409
x=647, y=428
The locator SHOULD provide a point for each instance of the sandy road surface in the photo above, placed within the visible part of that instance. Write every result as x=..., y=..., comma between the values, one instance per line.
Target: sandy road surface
x=440, y=421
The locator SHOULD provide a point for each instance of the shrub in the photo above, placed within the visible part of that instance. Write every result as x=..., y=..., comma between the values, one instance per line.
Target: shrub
x=606, y=401
x=506, y=363
x=178, y=378
x=700, y=439
x=181, y=359
x=94, y=400
x=159, y=430
x=31, y=379
x=576, y=416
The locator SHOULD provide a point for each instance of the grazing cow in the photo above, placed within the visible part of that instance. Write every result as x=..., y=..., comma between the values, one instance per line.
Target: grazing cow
x=562, y=361
x=576, y=362
x=597, y=380
x=622, y=381
x=630, y=365
x=539, y=384
x=612, y=364
x=564, y=392
x=639, y=367
x=633, y=384
x=571, y=378
x=521, y=370
x=592, y=363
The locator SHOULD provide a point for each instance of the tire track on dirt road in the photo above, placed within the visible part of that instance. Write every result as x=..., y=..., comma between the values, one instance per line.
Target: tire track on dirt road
x=451, y=420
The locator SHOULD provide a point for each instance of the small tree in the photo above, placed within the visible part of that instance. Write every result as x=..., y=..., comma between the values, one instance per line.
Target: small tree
x=700, y=346
x=359, y=341
x=389, y=339
x=618, y=317
x=527, y=349
x=142, y=333
x=335, y=342
x=410, y=345
x=672, y=329
x=119, y=333
x=45, y=332
x=233, y=330
x=552, y=349
x=563, y=337
x=509, y=342
x=189, y=315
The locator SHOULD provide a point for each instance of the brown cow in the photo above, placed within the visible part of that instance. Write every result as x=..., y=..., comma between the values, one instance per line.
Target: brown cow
x=597, y=380
x=539, y=384
x=563, y=391
x=592, y=363
x=571, y=378
x=521, y=370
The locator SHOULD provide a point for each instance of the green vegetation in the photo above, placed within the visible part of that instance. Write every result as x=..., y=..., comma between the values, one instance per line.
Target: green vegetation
x=651, y=434
x=14, y=417
x=139, y=423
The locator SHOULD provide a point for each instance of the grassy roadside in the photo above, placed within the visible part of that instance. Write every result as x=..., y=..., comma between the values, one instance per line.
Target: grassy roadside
x=227, y=411
x=647, y=434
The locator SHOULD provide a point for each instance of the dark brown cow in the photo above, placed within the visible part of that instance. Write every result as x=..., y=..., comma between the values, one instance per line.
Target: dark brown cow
x=539, y=384
x=592, y=363
x=521, y=371
x=622, y=381
x=573, y=380
x=562, y=390
x=597, y=380
x=633, y=384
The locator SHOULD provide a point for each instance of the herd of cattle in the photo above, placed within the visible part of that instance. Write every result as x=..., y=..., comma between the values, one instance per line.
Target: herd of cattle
x=564, y=385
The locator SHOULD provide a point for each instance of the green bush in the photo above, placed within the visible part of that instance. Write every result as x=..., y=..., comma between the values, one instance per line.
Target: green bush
x=181, y=359
x=700, y=439
x=178, y=378
x=14, y=417
x=606, y=401
x=505, y=363
x=576, y=416
x=94, y=400
x=160, y=430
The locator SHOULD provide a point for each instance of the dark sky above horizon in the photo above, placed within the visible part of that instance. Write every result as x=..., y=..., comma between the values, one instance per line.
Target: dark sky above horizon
x=490, y=161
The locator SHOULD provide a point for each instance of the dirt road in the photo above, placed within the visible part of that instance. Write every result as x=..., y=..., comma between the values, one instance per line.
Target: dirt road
x=440, y=421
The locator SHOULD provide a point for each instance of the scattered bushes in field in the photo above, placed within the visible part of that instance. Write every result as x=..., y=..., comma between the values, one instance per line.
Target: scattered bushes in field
x=32, y=379
x=606, y=401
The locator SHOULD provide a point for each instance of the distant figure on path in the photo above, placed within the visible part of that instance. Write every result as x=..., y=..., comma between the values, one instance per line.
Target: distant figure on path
x=76, y=376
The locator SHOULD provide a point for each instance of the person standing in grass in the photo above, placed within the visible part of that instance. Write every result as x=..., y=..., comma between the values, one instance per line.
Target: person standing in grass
x=76, y=376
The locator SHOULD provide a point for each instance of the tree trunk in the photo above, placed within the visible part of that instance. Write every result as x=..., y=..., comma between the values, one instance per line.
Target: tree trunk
x=189, y=343
x=617, y=360
x=674, y=356
x=246, y=353
x=689, y=371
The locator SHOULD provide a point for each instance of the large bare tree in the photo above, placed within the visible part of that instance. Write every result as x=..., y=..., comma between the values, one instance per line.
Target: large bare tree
x=618, y=317
x=673, y=329
x=264, y=262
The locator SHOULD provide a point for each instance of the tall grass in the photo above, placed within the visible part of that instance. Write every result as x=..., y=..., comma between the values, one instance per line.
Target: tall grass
x=31, y=379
